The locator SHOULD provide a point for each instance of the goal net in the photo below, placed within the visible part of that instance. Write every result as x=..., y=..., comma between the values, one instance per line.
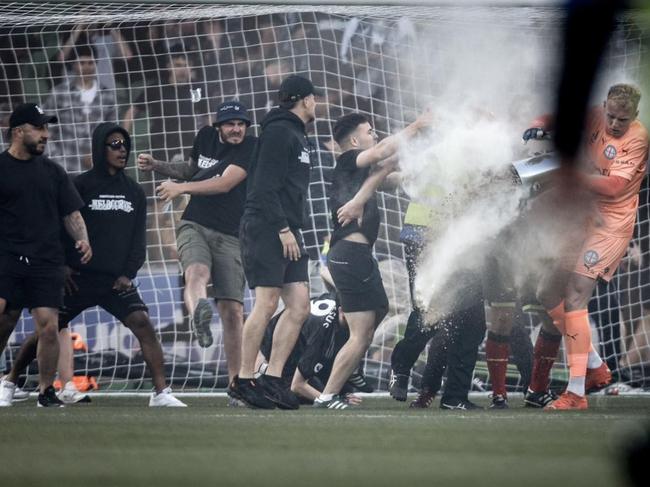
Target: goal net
x=161, y=69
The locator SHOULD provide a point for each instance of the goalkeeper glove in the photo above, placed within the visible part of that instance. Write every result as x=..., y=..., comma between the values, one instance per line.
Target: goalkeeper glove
x=535, y=133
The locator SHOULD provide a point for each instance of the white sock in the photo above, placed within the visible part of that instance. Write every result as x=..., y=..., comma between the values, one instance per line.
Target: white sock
x=576, y=385
x=325, y=397
x=593, y=360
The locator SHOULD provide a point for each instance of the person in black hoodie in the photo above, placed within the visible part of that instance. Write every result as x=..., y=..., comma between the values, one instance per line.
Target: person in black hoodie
x=275, y=260
x=115, y=213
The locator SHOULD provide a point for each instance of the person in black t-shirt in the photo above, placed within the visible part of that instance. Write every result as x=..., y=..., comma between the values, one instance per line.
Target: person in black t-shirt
x=275, y=261
x=36, y=197
x=115, y=210
x=208, y=234
x=354, y=270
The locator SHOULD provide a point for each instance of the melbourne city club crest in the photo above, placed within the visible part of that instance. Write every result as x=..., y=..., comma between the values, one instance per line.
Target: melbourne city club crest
x=591, y=257
x=610, y=152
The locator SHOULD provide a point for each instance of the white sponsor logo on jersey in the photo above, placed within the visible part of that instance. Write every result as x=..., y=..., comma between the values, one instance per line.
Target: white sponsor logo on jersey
x=205, y=162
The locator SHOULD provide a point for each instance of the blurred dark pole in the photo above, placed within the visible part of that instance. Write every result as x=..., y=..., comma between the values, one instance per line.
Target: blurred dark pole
x=589, y=25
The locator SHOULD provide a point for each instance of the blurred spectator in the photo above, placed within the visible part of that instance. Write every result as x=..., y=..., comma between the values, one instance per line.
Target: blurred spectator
x=183, y=36
x=5, y=112
x=26, y=65
x=217, y=67
x=109, y=46
x=149, y=54
x=175, y=109
x=81, y=103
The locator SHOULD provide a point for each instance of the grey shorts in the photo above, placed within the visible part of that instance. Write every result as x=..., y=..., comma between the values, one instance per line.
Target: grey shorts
x=219, y=252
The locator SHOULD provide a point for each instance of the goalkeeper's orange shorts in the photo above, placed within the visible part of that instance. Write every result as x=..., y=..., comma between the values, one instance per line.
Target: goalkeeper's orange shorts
x=601, y=255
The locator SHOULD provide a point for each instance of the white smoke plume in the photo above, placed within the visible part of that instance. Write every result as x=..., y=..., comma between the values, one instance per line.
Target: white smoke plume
x=492, y=78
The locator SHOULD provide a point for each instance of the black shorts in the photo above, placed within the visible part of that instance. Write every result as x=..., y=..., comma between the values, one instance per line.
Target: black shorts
x=26, y=284
x=96, y=291
x=356, y=276
x=261, y=251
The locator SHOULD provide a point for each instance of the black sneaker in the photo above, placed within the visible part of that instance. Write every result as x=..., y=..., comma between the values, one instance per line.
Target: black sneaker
x=499, y=401
x=48, y=399
x=338, y=401
x=539, y=399
x=249, y=392
x=358, y=381
x=279, y=392
x=424, y=399
x=398, y=386
x=458, y=404
x=201, y=319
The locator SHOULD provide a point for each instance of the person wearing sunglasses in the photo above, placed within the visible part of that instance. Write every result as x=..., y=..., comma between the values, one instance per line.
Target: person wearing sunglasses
x=115, y=211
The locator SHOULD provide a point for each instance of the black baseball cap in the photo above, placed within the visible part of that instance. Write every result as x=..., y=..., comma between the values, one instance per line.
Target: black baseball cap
x=30, y=113
x=295, y=88
x=232, y=110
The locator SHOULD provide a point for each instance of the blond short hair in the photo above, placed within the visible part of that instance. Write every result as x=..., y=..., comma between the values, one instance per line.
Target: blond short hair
x=625, y=95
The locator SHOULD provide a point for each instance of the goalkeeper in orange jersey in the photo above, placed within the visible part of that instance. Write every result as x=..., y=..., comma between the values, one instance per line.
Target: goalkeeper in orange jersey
x=617, y=151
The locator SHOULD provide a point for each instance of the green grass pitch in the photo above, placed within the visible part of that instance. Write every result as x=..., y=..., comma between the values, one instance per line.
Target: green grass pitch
x=120, y=442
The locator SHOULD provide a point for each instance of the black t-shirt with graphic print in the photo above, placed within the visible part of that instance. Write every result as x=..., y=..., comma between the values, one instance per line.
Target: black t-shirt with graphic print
x=220, y=212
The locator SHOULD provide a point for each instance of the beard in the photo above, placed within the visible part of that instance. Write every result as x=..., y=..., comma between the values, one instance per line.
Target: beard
x=234, y=139
x=32, y=148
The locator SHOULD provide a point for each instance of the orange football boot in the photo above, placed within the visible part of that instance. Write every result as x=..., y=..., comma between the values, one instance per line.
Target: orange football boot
x=566, y=402
x=597, y=378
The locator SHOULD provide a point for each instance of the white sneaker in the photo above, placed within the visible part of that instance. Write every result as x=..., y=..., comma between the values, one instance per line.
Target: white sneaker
x=71, y=395
x=165, y=399
x=20, y=395
x=7, y=390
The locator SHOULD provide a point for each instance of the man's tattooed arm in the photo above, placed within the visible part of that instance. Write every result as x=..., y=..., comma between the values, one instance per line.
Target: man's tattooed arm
x=76, y=227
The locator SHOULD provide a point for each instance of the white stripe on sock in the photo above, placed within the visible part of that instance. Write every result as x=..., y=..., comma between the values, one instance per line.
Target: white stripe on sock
x=593, y=360
x=576, y=385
